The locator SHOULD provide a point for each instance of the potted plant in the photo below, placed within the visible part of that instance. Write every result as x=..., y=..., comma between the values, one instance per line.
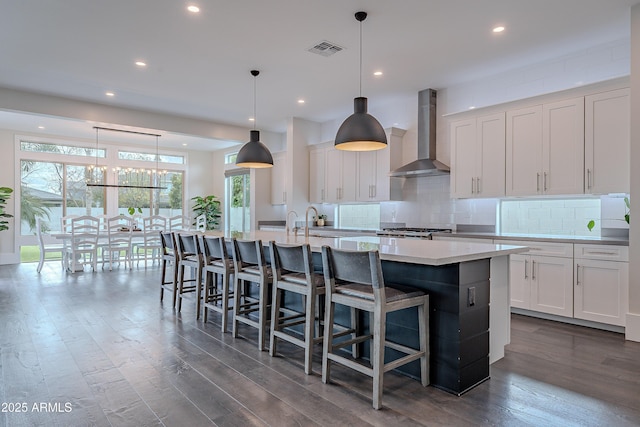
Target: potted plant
x=320, y=220
x=208, y=206
x=5, y=193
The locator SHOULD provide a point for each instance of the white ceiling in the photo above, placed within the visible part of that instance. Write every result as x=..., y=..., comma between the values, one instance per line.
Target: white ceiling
x=198, y=64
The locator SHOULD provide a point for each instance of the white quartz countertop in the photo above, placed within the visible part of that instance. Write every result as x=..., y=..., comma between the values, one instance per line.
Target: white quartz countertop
x=415, y=251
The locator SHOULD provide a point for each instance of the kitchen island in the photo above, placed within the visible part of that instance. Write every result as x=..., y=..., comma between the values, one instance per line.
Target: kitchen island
x=468, y=284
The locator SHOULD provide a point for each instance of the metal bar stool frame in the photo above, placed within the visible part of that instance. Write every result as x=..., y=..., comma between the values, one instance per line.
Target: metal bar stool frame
x=216, y=261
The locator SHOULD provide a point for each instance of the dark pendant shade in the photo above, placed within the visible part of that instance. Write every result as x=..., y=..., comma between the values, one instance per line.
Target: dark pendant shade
x=254, y=154
x=360, y=131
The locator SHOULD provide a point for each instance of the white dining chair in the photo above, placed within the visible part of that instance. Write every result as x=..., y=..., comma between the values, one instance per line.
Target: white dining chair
x=82, y=247
x=119, y=232
x=45, y=249
x=179, y=223
x=151, y=246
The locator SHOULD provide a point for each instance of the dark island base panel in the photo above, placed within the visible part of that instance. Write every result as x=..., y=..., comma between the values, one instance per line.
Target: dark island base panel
x=459, y=321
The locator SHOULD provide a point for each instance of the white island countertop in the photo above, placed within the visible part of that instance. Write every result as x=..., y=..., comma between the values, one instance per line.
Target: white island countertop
x=415, y=251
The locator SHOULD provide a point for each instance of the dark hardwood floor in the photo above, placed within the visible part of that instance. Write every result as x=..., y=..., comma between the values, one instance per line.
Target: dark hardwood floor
x=100, y=349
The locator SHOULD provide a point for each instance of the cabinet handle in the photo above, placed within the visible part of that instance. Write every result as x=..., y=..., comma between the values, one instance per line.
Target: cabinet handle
x=322, y=194
x=374, y=189
x=601, y=253
x=577, y=274
x=544, y=186
x=589, y=179
x=533, y=270
x=478, y=185
x=472, y=185
x=525, y=269
x=538, y=182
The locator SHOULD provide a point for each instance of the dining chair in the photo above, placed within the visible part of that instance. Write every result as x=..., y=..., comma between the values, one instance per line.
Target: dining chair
x=216, y=261
x=201, y=223
x=170, y=261
x=355, y=279
x=189, y=256
x=47, y=248
x=292, y=267
x=83, y=243
x=119, y=231
x=151, y=246
x=179, y=223
x=251, y=268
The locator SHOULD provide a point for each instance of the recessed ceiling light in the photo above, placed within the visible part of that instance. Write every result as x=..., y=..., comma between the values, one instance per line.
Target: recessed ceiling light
x=472, y=107
x=141, y=63
x=377, y=73
x=193, y=8
x=300, y=101
x=184, y=144
x=251, y=119
x=40, y=127
x=498, y=29
x=110, y=94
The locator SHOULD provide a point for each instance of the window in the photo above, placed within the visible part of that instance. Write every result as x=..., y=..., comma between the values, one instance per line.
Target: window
x=51, y=190
x=362, y=217
x=230, y=159
x=150, y=157
x=568, y=217
x=237, y=202
x=69, y=150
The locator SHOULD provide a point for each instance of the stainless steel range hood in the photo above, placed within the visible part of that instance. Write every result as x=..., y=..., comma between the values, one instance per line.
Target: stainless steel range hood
x=426, y=165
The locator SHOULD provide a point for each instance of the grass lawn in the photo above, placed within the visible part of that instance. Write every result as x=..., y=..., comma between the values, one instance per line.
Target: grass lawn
x=32, y=254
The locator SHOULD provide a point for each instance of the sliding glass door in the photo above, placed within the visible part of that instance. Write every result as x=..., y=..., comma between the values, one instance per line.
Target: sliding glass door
x=237, y=190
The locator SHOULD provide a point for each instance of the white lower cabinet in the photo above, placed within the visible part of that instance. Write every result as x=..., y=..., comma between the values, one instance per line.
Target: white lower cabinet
x=542, y=279
x=601, y=289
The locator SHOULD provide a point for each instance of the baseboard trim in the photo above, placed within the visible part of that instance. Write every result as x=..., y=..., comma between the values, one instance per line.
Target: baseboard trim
x=9, y=258
x=570, y=320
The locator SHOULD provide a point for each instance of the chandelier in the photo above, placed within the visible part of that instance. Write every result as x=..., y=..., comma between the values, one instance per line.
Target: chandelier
x=97, y=172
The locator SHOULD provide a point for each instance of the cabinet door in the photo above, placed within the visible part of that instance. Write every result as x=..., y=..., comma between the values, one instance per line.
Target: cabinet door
x=382, y=181
x=607, y=140
x=463, y=158
x=317, y=175
x=601, y=291
x=278, y=186
x=349, y=176
x=552, y=285
x=333, y=175
x=524, y=151
x=563, y=147
x=366, y=175
x=519, y=281
x=490, y=166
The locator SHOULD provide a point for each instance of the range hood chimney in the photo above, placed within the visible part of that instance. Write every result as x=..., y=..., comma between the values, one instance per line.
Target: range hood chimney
x=426, y=165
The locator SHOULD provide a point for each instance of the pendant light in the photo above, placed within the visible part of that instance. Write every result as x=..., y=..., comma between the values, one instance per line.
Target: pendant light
x=360, y=131
x=254, y=154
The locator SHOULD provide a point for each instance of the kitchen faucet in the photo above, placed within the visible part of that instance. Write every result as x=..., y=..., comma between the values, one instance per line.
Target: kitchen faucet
x=306, y=220
x=287, y=224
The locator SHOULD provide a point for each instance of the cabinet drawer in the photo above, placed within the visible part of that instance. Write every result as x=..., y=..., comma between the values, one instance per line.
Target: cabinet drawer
x=562, y=250
x=604, y=252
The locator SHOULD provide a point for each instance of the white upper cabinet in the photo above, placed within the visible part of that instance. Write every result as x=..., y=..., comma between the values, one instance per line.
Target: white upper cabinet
x=545, y=149
x=607, y=142
x=478, y=157
x=337, y=176
x=278, y=184
x=563, y=147
x=524, y=151
x=317, y=190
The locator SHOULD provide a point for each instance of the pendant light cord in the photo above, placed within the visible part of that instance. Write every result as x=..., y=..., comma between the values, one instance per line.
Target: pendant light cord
x=360, y=59
x=255, y=119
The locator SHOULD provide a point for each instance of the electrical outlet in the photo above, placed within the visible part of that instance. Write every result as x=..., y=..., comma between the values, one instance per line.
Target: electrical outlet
x=471, y=296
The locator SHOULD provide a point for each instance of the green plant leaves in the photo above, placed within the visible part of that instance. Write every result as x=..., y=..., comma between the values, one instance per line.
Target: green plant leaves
x=591, y=224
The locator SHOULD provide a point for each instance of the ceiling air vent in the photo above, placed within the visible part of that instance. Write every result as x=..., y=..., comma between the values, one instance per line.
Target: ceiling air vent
x=325, y=48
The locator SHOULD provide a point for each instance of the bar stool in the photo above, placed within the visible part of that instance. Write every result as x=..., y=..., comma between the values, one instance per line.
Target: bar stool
x=169, y=261
x=216, y=261
x=189, y=257
x=251, y=267
x=354, y=279
x=292, y=268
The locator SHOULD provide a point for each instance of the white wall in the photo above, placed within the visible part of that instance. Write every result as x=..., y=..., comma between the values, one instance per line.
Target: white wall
x=7, y=179
x=633, y=318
